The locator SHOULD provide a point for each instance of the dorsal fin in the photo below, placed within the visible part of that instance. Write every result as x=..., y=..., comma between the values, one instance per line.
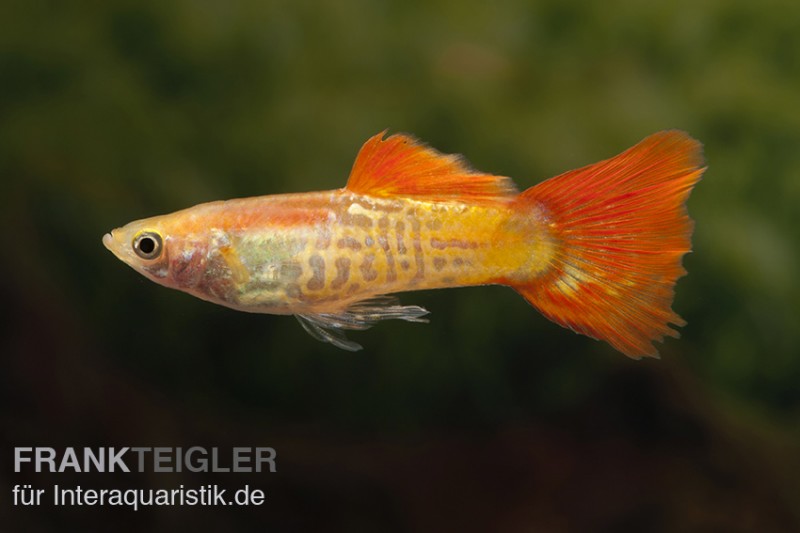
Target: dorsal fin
x=402, y=166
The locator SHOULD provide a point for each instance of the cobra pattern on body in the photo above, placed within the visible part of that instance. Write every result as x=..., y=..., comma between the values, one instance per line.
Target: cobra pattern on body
x=596, y=249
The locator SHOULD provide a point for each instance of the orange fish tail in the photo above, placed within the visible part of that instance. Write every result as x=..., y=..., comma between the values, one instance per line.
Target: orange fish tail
x=619, y=230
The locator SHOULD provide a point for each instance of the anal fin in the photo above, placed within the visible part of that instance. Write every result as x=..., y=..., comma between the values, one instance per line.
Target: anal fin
x=328, y=327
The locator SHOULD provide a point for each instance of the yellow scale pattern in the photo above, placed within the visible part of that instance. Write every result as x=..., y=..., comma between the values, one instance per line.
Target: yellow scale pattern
x=382, y=246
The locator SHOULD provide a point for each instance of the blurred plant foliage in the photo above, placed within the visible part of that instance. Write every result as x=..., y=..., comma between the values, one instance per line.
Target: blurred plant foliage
x=111, y=111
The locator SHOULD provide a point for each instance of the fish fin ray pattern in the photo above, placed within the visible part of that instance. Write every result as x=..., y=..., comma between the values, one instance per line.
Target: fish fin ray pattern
x=322, y=331
x=621, y=229
x=361, y=315
x=400, y=165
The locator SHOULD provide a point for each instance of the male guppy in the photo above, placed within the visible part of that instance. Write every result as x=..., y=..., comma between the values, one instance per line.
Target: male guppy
x=596, y=249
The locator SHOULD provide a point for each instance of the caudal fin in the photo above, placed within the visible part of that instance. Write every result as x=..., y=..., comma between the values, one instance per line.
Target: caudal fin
x=620, y=229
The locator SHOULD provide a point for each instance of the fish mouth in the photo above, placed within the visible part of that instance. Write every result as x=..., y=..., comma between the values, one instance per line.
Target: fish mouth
x=108, y=241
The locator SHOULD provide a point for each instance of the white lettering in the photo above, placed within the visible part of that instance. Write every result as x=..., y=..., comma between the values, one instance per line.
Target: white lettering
x=98, y=460
x=69, y=460
x=115, y=459
x=19, y=458
x=45, y=455
x=265, y=455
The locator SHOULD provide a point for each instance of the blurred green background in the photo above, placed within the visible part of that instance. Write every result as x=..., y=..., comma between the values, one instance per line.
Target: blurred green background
x=490, y=418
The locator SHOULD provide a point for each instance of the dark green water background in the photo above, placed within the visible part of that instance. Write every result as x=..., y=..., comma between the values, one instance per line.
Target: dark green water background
x=490, y=418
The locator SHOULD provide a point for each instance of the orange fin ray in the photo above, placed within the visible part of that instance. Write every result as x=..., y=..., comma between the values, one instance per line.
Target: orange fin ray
x=399, y=165
x=621, y=229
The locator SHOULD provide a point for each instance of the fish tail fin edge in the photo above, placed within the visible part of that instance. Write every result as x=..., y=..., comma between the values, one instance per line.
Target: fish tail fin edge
x=620, y=229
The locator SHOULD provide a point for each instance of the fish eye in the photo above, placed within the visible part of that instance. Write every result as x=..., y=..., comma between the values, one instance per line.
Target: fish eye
x=147, y=244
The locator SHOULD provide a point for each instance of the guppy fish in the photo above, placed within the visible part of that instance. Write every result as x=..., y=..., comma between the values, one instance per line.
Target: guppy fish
x=597, y=250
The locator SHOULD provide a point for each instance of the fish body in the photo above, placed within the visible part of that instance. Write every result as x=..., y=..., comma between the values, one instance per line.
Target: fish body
x=597, y=250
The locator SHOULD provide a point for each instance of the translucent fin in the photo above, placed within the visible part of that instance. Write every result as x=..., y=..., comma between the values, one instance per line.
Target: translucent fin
x=402, y=166
x=621, y=228
x=317, y=327
x=327, y=327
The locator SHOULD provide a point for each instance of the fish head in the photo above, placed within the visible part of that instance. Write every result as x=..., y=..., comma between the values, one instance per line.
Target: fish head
x=163, y=249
